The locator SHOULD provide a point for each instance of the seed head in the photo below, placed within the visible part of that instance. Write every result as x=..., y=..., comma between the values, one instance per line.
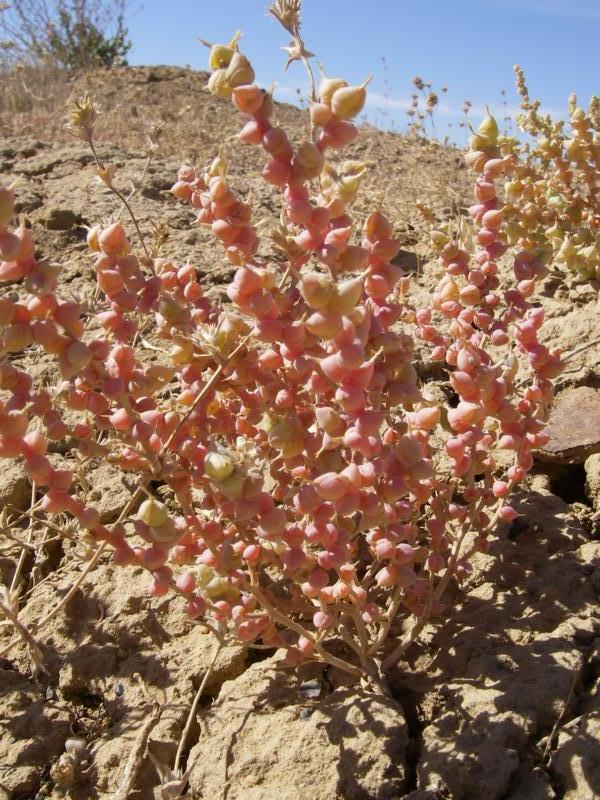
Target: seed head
x=83, y=113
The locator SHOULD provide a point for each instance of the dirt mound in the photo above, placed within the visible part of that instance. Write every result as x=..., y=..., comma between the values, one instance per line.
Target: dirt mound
x=502, y=700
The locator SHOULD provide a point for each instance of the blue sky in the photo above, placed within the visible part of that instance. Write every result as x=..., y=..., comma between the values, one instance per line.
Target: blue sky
x=468, y=45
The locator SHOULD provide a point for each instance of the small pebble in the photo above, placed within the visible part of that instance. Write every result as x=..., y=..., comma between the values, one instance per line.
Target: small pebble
x=311, y=689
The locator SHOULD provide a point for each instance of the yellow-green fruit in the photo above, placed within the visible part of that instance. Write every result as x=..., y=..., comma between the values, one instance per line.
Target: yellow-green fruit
x=477, y=142
x=292, y=448
x=153, y=512
x=327, y=87
x=348, y=101
x=439, y=239
x=233, y=486
x=269, y=422
x=216, y=588
x=182, y=353
x=218, y=466
x=91, y=238
x=488, y=130
x=220, y=56
x=316, y=289
x=240, y=72
x=219, y=85
x=346, y=296
x=204, y=574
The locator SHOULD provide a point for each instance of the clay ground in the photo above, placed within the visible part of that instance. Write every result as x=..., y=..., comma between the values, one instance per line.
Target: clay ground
x=501, y=701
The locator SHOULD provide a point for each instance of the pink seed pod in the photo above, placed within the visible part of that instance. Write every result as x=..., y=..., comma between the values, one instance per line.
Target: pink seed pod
x=310, y=239
x=499, y=337
x=455, y=447
x=252, y=132
x=348, y=504
x=337, y=134
x=492, y=219
x=322, y=620
x=307, y=499
x=247, y=98
x=329, y=420
x=325, y=324
x=247, y=280
x=467, y=360
x=331, y=486
x=463, y=384
x=14, y=270
x=10, y=245
x=182, y=190
x=113, y=240
x=195, y=607
x=277, y=144
x=186, y=582
x=426, y=418
x=89, y=518
x=377, y=226
x=435, y=563
x=508, y=513
x=121, y=420
x=10, y=447
x=34, y=443
x=387, y=576
x=225, y=231
x=299, y=210
x=350, y=398
x=293, y=559
x=79, y=355
x=369, y=422
x=14, y=423
x=277, y=173
x=272, y=523
x=332, y=367
x=361, y=376
x=55, y=501
x=484, y=190
x=376, y=286
x=308, y=162
x=353, y=476
x=61, y=480
x=500, y=489
x=464, y=416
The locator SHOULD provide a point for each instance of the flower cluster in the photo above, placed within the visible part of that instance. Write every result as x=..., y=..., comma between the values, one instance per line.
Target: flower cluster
x=319, y=497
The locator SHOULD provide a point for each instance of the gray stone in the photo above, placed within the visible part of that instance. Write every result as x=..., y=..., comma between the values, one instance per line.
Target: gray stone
x=574, y=427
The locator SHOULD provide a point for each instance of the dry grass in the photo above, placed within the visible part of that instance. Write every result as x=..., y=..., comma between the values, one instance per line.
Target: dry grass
x=32, y=99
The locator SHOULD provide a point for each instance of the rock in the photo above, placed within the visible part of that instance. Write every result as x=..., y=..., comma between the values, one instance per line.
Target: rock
x=33, y=731
x=264, y=740
x=61, y=219
x=531, y=784
x=470, y=750
x=15, y=487
x=576, y=760
x=108, y=495
x=592, y=479
x=407, y=260
x=511, y=679
x=574, y=427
